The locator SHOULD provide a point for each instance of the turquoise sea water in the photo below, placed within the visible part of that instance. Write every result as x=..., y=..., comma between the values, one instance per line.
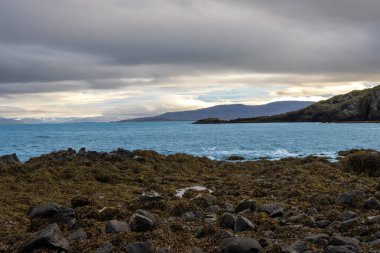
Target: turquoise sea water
x=253, y=141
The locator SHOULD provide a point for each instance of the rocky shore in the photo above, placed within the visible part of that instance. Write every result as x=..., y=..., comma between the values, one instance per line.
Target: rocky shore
x=142, y=201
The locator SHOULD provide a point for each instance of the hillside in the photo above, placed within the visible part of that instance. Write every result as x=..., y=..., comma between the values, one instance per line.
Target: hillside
x=5, y=121
x=356, y=106
x=227, y=112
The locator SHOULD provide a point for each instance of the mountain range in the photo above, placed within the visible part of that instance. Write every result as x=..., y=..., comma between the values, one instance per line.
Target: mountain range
x=227, y=112
x=10, y=121
x=355, y=106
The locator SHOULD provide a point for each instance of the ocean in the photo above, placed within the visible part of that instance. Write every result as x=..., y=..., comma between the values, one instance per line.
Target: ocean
x=252, y=141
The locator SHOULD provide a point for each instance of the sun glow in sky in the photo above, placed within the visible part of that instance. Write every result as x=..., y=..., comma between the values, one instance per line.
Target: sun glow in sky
x=129, y=58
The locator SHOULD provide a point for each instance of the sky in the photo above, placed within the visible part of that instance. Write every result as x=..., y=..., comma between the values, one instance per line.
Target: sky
x=128, y=58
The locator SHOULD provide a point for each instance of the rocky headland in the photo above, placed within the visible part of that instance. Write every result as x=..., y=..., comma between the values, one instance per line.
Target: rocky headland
x=355, y=106
x=142, y=201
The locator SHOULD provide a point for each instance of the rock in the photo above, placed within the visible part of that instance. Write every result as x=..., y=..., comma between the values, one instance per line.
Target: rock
x=313, y=237
x=264, y=242
x=200, y=232
x=338, y=249
x=240, y=245
x=78, y=235
x=277, y=213
x=320, y=242
x=374, y=237
x=235, y=158
x=49, y=238
x=372, y=219
x=352, y=198
x=9, y=159
x=347, y=215
x=243, y=224
x=350, y=243
x=139, y=247
x=372, y=203
x=188, y=216
x=295, y=218
x=363, y=230
x=246, y=204
x=348, y=224
x=121, y=154
x=323, y=223
x=149, y=197
x=374, y=243
x=55, y=213
x=115, y=226
x=298, y=246
x=271, y=208
x=106, y=248
x=145, y=213
x=227, y=220
x=140, y=223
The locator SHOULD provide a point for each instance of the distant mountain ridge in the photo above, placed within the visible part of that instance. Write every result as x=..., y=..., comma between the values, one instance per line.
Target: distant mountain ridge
x=355, y=106
x=227, y=112
x=5, y=121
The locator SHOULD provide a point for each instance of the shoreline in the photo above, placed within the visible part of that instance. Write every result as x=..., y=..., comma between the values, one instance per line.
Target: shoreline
x=242, y=121
x=182, y=203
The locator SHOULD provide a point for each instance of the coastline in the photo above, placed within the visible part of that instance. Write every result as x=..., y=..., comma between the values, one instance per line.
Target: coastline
x=242, y=121
x=280, y=204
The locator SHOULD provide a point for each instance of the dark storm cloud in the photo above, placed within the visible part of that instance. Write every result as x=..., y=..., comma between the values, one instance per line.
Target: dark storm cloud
x=80, y=41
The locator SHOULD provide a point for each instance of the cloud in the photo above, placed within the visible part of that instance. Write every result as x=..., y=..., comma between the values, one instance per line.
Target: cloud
x=217, y=51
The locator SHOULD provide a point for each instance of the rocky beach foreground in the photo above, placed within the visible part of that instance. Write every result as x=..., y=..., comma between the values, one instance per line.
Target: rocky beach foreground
x=142, y=201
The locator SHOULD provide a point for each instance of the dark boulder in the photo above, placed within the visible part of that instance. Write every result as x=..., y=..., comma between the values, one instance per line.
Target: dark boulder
x=188, y=216
x=240, y=245
x=274, y=209
x=348, y=224
x=352, y=198
x=78, y=235
x=9, y=159
x=298, y=246
x=149, y=197
x=246, y=204
x=140, y=223
x=372, y=203
x=227, y=220
x=243, y=224
x=49, y=238
x=54, y=213
x=348, y=215
x=145, y=213
x=348, y=242
x=338, y=249
x=235, y=158
x=139, y=247
x=115, y=226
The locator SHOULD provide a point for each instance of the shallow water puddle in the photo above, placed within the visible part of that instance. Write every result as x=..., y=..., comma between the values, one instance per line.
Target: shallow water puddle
x=182, y=191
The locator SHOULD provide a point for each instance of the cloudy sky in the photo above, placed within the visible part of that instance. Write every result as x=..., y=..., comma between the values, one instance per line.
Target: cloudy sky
x=131, y=58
